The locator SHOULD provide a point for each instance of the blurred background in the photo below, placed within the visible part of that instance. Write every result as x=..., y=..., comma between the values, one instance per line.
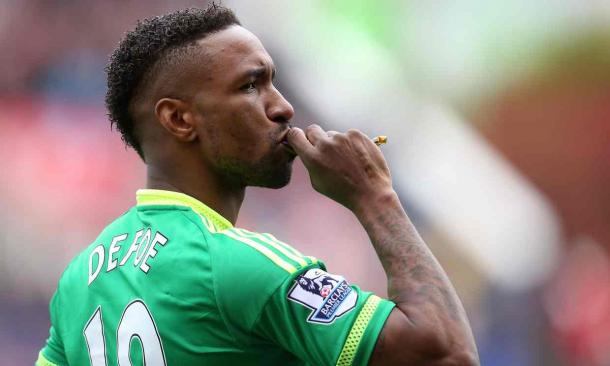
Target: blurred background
x=498, y=117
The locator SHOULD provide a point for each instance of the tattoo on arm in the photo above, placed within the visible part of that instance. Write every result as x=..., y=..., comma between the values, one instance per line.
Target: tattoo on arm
x=416, y=281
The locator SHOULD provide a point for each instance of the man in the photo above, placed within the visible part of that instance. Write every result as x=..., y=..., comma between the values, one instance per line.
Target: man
x=173, y=282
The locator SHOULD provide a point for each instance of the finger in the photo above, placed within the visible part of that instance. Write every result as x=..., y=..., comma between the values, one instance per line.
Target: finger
x=357, y=134
x=331, y=133
x=299, y=142
x=314, y=134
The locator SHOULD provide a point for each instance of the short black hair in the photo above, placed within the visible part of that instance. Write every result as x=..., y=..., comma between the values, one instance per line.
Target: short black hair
x=152, y=40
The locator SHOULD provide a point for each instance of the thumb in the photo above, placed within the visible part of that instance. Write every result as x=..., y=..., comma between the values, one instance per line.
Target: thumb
x=299, y=142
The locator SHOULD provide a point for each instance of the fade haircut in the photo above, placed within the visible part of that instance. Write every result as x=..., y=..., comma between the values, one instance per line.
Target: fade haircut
x=155, y=41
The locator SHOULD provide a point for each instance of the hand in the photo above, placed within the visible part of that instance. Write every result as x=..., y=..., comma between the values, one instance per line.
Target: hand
x=346, y=167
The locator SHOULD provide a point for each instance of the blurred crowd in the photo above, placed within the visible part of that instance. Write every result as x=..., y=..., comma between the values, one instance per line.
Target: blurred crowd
x=499, y=143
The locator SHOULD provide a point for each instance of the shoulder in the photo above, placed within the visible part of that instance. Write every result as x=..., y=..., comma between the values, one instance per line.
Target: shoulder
x=248, y=268
x=242, y=247
x=130, y=235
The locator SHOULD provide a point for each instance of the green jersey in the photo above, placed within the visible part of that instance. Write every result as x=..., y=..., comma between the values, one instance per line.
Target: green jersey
x=171, y=282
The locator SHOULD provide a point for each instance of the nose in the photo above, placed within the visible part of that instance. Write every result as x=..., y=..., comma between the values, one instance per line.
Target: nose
x=279, y=109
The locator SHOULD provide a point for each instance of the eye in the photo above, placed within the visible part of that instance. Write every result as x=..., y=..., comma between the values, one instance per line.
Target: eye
x=249, y=86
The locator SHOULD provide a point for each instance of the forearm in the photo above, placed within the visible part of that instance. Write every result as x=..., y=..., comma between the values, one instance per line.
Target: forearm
x=431, y=327
x=416, y=281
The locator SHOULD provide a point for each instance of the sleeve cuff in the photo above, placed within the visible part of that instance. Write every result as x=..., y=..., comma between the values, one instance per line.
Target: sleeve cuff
x=42, y=361
x=363, y=335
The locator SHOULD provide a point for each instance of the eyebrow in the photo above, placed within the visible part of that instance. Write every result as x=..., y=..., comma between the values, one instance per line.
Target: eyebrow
x=259, y=71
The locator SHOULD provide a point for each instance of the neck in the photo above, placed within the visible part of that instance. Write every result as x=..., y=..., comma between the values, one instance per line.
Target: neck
x=224, y=198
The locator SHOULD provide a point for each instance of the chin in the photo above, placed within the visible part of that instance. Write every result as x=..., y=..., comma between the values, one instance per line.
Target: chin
x=274, y=179
x=269, y=172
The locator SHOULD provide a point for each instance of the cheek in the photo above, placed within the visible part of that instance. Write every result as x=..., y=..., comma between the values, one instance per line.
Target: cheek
x=234, y=127
x=210, y=137
x=236, y=135
x=249, y=138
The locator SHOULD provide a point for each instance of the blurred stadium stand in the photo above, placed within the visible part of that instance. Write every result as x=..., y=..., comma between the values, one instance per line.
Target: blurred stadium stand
x=498, y=117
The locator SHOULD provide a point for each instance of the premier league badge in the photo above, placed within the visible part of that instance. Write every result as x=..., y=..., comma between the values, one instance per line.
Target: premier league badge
x=328, y=296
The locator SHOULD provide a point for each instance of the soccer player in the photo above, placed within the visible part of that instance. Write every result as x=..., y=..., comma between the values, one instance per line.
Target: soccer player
x=173, y=282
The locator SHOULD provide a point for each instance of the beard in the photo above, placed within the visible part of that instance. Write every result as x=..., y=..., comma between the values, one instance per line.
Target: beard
x=271, y=171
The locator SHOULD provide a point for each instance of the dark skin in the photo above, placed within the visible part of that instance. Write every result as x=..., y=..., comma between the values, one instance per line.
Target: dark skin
x=226, y=132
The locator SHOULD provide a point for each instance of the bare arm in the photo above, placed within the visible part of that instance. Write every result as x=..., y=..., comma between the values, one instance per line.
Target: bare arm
x=429, y=325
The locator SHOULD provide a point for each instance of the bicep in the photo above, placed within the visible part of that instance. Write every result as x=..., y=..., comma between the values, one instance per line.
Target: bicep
x=401, y=342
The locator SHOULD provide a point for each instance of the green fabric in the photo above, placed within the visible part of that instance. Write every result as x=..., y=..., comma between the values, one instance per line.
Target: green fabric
x=42, y=361
x=214, y=296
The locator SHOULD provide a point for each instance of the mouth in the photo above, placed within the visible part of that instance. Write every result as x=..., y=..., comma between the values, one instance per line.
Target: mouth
x=284, y=142
x=284, y=136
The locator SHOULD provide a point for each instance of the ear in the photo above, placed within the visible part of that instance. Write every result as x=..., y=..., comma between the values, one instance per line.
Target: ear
x=177, y=118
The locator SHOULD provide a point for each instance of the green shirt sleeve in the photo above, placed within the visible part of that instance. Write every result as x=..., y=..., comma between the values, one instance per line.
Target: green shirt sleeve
x=268, y=292
x=53, y=353
x=323, y=320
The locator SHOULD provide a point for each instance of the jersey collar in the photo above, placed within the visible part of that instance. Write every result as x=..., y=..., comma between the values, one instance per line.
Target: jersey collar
x=162, y=197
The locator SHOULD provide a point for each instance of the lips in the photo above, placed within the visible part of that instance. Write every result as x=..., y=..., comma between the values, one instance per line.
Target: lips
x=284, y=137
x=284, y=141
x=289, y=148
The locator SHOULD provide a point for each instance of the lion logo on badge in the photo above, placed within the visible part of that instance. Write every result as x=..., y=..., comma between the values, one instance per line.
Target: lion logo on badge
x=329, y=296
x=321, y=285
